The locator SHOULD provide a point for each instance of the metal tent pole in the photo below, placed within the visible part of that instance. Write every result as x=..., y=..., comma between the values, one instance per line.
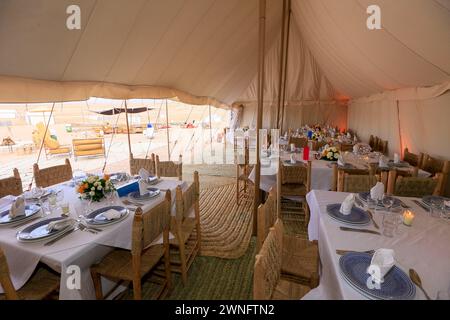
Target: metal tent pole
x=167, y=129
x=128, y=128
x=280, y=79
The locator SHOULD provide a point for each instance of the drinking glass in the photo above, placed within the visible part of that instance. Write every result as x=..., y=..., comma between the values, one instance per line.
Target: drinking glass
x=436, y=208
x=388, y=202
x=390, y=224
x=65, y=208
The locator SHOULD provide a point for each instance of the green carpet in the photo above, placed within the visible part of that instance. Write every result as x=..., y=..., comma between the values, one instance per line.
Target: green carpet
x=211, y=278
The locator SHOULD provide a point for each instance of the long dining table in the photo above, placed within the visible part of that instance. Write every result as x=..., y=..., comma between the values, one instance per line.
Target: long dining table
x=321, y=170
x=79, y=249
x=424, y=246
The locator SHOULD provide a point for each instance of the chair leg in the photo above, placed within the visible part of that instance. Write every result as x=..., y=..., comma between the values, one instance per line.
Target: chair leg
x=137, y=290
x=96, y=278
x=183, y=263
x=167, y=261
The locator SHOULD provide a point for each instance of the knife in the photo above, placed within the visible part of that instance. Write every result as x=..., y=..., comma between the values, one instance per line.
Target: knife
x=373, y=220
x=421, y=205
x=49, y=243
x=360, y=230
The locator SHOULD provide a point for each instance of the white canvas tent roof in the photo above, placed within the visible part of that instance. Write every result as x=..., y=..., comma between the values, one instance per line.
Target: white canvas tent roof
x=205, y=52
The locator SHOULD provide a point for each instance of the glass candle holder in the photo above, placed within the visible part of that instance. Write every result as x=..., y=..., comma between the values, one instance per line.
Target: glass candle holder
x=408, y=217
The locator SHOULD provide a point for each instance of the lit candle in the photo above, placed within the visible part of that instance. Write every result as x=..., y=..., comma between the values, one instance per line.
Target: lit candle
x=408, y=217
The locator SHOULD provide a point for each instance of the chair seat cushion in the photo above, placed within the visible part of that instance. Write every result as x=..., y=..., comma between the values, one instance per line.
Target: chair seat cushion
x=300, y=260
x=287, y=290
x=118, y=263
x=59, y=150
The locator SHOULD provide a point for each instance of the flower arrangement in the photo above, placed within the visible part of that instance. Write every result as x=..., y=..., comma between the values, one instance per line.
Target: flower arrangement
x=330, y=154
x=317, y=136
x=95, y=188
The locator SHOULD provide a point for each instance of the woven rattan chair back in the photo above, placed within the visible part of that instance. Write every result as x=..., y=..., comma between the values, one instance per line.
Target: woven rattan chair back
x=169, y=168
x=267, y=270
x=414, y=186
x=298, y=141
x=267, y=215
x=5, y=280
x=11, y=185
x=188, y=200
x=413, y=159
x=297, y=174
x=355, y=182
x=148, y=226
x=137, y=164
x=52, y=175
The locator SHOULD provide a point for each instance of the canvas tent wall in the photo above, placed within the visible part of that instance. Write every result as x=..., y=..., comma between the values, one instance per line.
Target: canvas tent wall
x=205, y=52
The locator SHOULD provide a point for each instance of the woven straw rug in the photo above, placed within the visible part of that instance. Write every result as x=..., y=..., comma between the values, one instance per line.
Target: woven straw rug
x=226, y=227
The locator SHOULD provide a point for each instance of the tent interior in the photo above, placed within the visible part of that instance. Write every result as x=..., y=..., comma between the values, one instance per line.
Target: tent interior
x=333, y=71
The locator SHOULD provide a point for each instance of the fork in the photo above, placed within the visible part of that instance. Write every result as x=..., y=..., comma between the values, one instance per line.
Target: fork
x=127, y=202
x=85, y=228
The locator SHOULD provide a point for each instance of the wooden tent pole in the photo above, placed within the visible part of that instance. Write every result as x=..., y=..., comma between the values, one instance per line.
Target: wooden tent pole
x=283, y=96
x=210, y=132
x=262, y=30
x=128, y=128
x=280, y=79
x=167, y=129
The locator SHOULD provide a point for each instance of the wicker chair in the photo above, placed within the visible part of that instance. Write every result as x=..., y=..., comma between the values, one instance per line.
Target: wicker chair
x=52, y=175
x=137, y=164
x=11, y=185
x=186, y=228
x=244, y=186
x=267, y=215
x=268, y=283
x=298, y=141
x=413, y=159
x=169, y=168
x=343, y=147
x=316, y=145
x=133, y=265
x=435, y=166
x=413, y=186
x=372, y=142
x=40, y=286
x=355, y=182
x=383, y=146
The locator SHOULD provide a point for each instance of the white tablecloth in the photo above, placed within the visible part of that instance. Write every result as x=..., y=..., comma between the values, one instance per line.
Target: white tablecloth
x=79, y=248
x=321, y=173
x=424, y=247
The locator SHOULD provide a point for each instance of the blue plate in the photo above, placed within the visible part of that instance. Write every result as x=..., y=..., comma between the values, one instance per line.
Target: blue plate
x=428, y=200
x=366, y=195
x=396, y=285
x=96, y=217
x=356, y=217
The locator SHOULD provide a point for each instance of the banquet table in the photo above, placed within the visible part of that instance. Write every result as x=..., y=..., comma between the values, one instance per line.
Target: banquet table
x=79, y=248
x=321, y=171
x=424, y=246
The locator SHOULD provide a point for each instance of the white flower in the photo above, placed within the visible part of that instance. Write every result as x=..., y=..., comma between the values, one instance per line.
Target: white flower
x=95, y=183
x=92, y=193
x=330, y=155
x=93, y=189
x=99, y=188
x=334, y=149
x=336, y=155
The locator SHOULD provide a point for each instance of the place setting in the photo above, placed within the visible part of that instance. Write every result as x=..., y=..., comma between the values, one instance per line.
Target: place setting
x=376, y=275
x=19, y=213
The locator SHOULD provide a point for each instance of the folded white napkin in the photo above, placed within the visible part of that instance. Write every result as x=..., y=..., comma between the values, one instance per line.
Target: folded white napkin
x=347, y=204
x=382, y=261
x=382, y=162
x=142, y=187
x=17, y=208
x=341, y=161
x=293, y=158
x=376, y=193
x=396, y=158
x=356, y=148
x=112, y=214
x=144, y=174
x=447, y=203
x=60, y=224
x=349, y=135
x=292, y=147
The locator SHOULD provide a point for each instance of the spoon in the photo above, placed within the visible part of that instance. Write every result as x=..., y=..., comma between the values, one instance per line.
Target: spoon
x=416, y=279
